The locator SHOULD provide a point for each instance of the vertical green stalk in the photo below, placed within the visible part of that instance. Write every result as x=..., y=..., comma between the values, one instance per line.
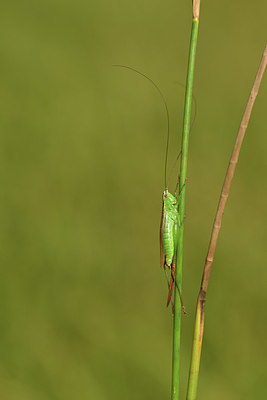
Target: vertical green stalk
x=183, y=168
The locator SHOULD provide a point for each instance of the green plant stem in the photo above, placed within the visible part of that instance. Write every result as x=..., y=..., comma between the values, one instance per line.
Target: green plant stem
x=183, y=168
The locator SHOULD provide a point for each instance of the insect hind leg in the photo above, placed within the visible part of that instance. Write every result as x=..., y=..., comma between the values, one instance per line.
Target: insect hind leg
x=173, y=280
x=171, y=284
x=168, y=283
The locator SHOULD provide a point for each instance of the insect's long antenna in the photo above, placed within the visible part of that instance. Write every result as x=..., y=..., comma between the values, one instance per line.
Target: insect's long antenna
x=173, y=168
x=166, y=108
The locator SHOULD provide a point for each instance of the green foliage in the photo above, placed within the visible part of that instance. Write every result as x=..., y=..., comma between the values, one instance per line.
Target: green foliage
x=82, y=172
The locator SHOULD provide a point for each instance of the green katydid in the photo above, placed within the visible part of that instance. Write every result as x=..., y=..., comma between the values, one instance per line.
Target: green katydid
x=170, y=219
x=169, y=227
x=169, y=231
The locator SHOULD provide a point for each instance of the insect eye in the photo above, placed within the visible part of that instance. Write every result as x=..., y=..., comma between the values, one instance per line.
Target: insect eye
x=166, y=195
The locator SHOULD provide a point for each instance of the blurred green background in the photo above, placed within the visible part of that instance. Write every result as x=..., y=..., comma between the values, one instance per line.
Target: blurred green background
x=82, y=296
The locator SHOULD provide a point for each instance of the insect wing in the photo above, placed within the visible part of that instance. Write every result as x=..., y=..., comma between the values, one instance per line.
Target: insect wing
x=162, y=222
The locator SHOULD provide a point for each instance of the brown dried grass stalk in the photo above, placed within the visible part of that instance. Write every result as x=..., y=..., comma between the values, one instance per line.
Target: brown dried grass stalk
x=200, y=312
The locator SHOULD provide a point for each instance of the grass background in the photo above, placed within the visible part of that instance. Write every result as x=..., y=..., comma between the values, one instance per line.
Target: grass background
x=82, y=297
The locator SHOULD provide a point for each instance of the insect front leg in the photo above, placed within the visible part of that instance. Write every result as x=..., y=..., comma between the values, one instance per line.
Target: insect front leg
x=179, y=194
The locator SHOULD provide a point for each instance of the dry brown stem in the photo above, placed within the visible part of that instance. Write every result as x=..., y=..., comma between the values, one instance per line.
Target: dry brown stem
x=196, y=7
x=230, y=173
x=200, y=312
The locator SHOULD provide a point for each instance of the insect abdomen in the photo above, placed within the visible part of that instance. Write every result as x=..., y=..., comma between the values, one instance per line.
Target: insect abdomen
x=167, y=238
